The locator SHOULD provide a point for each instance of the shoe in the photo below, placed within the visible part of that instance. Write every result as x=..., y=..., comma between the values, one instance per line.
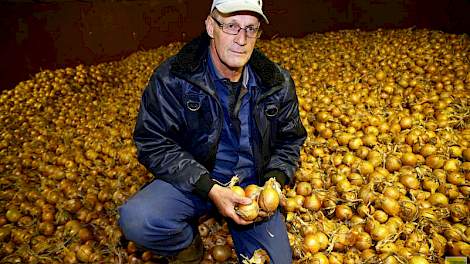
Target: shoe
x=190, y=255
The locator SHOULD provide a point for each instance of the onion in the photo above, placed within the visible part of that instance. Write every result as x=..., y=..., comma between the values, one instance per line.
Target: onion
x=84, y=253
x=379, y=232
x=418, y=260
x=291, y=205
x=362, y=152
x=390, y=206
x=366, y=167
x=410, y=181
x=456, y=178
x=392, y=163
x=458, y=211
x=355, y=143
x=268, y=199
x=203, y=230
x=309, y=229
x=438, y=199
x=311, y=243
x=335, y=258
x=430, y=184
x=313, y=203
x=428, y=150
x=409, y=159
x=343, y=212
x=252, y=191
x=248, y=212
x=434, y=161
x=388, y=248
x=322, y=240
x=391, y=192
x=13, y=214
x=363, y=241
x=466, y=154
x=221, y=253
x=452, y=165
x=303, y=188
x=238, y=190
x=320, y=258
x=380, y=216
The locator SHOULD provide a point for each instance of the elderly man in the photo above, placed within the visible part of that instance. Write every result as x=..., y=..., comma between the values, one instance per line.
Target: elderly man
x=217, y=109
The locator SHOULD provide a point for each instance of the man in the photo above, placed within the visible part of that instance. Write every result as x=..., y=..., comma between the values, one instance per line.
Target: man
x=217, y=109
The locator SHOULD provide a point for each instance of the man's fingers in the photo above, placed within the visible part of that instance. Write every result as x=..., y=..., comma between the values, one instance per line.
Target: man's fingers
x=237, y=219
x=262, y=214
x=243, y=200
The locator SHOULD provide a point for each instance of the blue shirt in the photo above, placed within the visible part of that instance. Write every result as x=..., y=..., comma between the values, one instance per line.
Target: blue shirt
x=234, y=154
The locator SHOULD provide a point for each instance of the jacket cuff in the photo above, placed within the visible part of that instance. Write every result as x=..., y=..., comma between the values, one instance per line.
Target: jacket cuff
x=280, y=176
x=204, y=185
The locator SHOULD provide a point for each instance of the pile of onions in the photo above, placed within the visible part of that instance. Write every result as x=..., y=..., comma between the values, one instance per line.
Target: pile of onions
x=383, y=175
x=383, y=172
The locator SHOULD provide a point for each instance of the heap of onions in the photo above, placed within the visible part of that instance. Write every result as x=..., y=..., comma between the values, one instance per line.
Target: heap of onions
x=383, y=176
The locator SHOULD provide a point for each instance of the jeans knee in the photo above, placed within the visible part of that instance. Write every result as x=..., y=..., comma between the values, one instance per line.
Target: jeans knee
x=153, y=231
x=131, y=223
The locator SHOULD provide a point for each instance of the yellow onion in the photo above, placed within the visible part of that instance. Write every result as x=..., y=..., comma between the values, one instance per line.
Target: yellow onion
x=438, y=199
x=363, y=241
x=221, y=253
x=319, y=258
x=303, y=188
x=311, y=243
x=268, y=199
x=248, y=212
x=418, y=260
x=312, y=202
x=238, y=190
x=390, y=206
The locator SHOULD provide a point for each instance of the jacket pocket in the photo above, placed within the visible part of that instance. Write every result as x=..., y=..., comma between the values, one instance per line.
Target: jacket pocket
x=197, y=112
x=269, y=113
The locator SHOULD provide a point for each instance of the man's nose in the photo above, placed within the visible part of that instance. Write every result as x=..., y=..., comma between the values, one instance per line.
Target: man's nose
x=241, y=37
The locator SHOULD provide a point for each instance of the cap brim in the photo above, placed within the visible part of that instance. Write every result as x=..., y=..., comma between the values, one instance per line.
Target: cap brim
x=231, y=7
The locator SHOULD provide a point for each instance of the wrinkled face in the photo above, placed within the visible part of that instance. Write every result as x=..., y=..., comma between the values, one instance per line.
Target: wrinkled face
x=231, y=51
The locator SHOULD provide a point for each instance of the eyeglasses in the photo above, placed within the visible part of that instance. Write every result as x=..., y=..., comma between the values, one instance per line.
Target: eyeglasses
x=234, y=29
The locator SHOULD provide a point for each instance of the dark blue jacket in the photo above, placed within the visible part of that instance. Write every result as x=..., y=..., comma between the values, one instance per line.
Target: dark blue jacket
x=180, y=119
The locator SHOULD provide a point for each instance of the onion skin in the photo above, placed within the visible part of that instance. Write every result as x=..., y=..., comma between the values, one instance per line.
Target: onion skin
x=221, y=253
x=418, y=260
x=238, y=190
x=311, y=243
x=248, y=212
x=390, y=206
x=268, y=199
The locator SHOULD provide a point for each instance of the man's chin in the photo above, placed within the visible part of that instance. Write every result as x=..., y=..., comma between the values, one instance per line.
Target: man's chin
x=237, y=64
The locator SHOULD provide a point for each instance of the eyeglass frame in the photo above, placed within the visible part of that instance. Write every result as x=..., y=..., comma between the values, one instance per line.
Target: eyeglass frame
x=222, y=25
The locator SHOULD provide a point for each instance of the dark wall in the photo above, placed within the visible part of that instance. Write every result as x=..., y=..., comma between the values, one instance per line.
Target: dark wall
x=37, y=35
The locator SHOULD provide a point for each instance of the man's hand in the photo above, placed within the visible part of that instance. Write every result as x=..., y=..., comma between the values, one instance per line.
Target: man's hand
x=225, y=200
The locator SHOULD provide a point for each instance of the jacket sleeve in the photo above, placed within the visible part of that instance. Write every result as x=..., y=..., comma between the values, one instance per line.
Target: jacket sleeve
x=159, y=124
x=290, y=136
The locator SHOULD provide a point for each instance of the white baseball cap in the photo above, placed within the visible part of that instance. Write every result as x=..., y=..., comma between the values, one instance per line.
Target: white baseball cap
x=230, y=6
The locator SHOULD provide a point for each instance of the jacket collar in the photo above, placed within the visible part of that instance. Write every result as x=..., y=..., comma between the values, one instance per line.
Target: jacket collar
x=193, y=54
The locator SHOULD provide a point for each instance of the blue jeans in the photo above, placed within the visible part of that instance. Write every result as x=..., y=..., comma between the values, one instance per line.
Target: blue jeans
x=164, y=220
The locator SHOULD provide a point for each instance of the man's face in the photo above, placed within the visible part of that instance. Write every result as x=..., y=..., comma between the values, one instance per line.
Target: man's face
x=233, y=51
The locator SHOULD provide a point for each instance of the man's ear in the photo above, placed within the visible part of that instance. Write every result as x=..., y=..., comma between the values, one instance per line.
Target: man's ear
x=209, y=27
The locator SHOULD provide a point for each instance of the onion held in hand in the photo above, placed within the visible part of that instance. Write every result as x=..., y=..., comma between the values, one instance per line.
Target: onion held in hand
x=248, y=212
x=268, y=199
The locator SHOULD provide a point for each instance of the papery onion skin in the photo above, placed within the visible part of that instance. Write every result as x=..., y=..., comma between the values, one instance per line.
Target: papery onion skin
x=248, y=212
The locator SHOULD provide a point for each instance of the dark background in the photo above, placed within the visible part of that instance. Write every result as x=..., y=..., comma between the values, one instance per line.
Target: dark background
x=37, y=35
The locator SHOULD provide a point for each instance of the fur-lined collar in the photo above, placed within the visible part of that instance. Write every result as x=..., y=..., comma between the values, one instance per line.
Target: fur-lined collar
x=192, y=54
